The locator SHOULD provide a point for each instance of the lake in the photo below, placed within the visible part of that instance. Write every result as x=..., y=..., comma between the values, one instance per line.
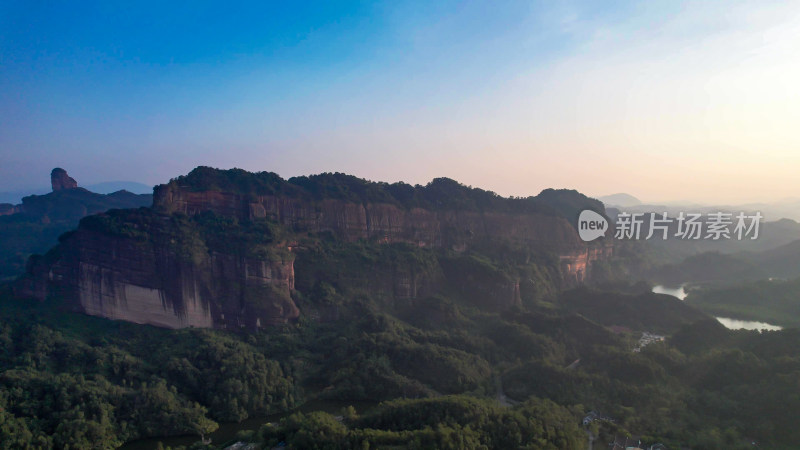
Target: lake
x=735, y=324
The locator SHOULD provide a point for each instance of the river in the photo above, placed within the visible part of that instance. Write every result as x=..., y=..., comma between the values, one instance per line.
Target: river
x=733, y=324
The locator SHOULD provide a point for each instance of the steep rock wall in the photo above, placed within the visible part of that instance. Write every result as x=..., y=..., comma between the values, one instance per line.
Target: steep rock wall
x=375, y=220
x=171, y=277
x=390, y=223
x=142, y=282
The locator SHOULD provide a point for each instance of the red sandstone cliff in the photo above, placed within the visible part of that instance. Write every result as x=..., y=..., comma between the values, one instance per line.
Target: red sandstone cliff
x=150, y=283
x=153, y=267
x=60, y=180
x=390, y=223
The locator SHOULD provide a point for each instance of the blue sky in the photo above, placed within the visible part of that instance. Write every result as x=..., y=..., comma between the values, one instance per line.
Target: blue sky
x=665, y=100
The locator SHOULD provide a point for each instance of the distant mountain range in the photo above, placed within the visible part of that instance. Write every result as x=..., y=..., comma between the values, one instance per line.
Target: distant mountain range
x=109, y=187
x=620, y=199
x=782, y=262
x=788, y=208
x=106, y=187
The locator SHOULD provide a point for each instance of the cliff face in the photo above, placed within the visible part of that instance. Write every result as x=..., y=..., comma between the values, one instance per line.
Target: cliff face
x=153, y=282
x=575, y=266
x=176, y=266
x=385, y=222
x=389, y=223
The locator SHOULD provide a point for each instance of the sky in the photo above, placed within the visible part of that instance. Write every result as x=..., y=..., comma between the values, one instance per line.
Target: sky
x=665, y=100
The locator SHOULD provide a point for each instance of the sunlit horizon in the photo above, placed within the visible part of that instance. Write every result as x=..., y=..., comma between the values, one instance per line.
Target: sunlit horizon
x=666, y=101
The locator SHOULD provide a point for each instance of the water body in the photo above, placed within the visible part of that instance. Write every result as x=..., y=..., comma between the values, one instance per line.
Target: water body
x=732, y=324
x=735, y=324
x=679, y=291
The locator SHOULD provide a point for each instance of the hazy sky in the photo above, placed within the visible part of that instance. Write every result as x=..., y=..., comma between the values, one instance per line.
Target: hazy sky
x=664, y=100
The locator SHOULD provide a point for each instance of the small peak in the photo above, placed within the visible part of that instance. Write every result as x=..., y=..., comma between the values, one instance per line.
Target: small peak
x=60, y=180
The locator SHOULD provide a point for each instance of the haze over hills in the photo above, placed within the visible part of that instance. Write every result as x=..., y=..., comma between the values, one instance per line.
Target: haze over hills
x=788, y=208
x=727, y=268
x=107, y=187
x=14, y=197
x=778, y=226
x=621, y=199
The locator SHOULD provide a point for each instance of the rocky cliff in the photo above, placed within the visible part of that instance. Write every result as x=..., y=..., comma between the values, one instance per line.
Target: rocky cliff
x=384, y=222
x=60, y=180
x=218, y=249
x=299, y=205
x=143, y=268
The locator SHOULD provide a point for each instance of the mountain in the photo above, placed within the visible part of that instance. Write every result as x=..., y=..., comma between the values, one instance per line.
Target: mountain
x=34, y=225
x=771, y=234
x=784, y=209
x=731, y=268
x=780, y=262
x=620, y=199
x=109, y=187
x=228, y=248
x=772, y=301
x=450, y=316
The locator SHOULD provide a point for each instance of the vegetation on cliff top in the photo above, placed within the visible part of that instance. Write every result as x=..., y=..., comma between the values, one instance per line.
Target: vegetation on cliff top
x=439, y=194
x=192, y=237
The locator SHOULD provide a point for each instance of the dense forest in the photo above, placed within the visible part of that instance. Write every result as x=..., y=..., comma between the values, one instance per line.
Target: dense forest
x=74, y=381
x=439, y=194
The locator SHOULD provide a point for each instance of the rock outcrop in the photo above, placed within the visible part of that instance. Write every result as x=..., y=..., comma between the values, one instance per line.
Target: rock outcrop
x=151, y=279
x=177, y=266
x=60, y=180
x=575, y=266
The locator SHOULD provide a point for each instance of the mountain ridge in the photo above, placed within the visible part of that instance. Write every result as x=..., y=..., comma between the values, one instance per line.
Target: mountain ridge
x=234, y=235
